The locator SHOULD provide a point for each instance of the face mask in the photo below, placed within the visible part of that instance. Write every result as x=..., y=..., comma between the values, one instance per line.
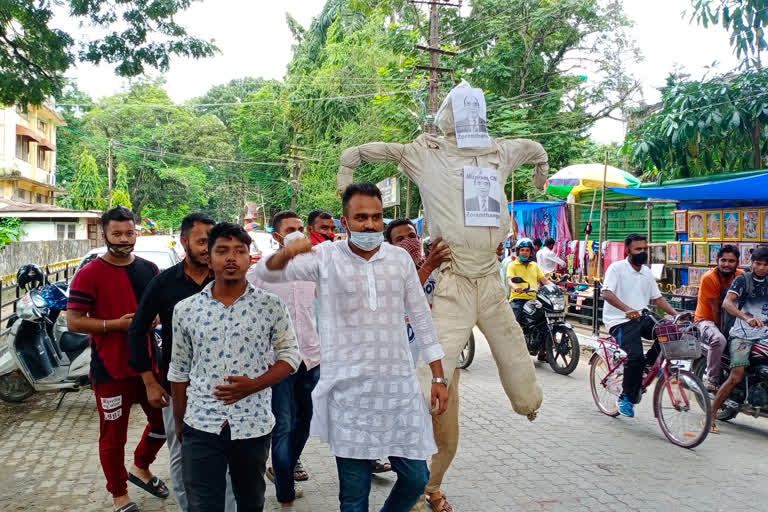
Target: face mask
x=640, y=258
x=523, y=258
x=120, y=250
x=290, y=237
x=413, y=246
x=366, y=241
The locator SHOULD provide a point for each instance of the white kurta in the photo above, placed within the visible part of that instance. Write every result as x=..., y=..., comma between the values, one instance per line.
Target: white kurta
x=368, y=403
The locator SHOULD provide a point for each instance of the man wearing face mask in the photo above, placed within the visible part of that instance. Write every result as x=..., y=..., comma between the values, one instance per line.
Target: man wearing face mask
x=628, y=288
x=321, y=227
x=292, y=397
x=368, y=402
x=103, y=298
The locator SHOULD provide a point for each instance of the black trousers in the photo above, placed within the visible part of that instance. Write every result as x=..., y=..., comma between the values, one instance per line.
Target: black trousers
x=205, y=458
x=630, y=336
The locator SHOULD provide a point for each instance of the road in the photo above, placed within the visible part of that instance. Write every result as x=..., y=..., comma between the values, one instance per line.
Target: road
x=572, y=458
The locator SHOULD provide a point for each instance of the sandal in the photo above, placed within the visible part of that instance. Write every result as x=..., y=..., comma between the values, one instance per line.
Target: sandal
x=714, y=429
x=155, y=487
x=380, y=467
x=438, y=502
x=270, y=474
x=130, y=507
x=299, y=473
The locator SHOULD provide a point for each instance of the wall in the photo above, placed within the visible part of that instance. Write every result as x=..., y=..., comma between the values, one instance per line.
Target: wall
x=41, y=253
x=35, y=231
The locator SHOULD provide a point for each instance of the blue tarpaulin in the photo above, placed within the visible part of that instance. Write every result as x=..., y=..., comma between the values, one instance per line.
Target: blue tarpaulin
x=524, y=206
x=751, y=188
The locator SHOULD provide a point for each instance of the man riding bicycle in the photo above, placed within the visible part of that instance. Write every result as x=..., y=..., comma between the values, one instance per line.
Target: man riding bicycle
x=628, y=288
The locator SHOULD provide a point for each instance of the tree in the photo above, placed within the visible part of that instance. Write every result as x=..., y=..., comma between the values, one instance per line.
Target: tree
x=120, y=194
x=746, y=20
x=133, y=35
x=88, y=185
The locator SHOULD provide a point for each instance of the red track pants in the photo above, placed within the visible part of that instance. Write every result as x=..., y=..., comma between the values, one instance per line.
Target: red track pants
x=114, y=400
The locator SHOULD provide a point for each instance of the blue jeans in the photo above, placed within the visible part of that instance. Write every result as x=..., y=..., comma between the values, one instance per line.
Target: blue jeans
x=205, y=457
x=355, y=484
x=292, y=408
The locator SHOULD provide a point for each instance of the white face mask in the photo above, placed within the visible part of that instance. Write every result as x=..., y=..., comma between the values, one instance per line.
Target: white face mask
x=290, y=237
x=366, y=240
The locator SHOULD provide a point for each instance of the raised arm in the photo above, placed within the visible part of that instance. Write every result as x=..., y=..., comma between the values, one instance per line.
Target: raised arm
x=371, y=152
x=519, y=152
x=297, y=261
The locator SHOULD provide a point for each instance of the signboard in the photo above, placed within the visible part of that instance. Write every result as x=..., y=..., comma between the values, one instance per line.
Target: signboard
x=482, y=193
x=390, y=191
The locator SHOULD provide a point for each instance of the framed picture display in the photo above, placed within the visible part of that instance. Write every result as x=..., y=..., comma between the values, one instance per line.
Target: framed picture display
x=686, y=253
x=700, y=254
x=750, y=225
x=681, y=221
x=713, y=250
x=658, y=253
x=673, y=252
x=746, y=248
x=713, y=224
x=764, y=225
x=696, y=226
x=731, y=225
x=694, y=276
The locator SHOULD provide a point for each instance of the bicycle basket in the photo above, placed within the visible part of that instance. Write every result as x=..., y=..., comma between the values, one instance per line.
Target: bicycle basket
x=678, y=341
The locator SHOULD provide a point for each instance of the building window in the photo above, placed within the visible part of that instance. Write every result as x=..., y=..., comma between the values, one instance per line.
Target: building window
x=42, y=160
x=39, y=198
x=43, y=128
x=65, y=231
x=22, y=148
x=21, y=194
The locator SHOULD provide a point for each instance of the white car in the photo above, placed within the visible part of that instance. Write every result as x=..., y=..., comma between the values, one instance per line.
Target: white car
x=157, y=251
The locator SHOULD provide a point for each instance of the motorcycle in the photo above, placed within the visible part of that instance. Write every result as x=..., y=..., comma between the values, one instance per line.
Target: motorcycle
x=543, y=322
x=751, y=395
x=467, y=354
x=41, y=354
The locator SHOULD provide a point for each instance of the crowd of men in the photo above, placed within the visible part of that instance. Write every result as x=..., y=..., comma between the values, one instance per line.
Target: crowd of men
x=237, y=374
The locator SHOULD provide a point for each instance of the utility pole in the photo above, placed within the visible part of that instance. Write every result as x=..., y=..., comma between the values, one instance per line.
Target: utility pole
x=109, y=171
x=434, y=58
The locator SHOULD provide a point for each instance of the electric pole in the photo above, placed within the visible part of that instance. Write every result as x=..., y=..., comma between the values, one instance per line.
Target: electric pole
x=109, y=171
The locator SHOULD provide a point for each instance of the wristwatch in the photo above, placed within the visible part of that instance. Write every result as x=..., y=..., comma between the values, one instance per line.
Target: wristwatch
x=439, y=380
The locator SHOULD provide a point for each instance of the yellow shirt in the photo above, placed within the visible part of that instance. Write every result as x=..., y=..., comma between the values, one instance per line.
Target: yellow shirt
x=531, y=273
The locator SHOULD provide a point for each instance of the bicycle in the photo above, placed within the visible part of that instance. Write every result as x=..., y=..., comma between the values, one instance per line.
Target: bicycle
x=681, y=403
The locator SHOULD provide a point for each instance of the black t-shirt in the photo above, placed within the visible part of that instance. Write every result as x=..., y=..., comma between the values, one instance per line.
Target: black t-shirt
x=755, y=305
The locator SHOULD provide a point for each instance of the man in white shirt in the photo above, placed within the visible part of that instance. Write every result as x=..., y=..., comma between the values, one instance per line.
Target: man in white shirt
x=628, y=288
x=292, y=397
x=368, y=403
x=547, y=259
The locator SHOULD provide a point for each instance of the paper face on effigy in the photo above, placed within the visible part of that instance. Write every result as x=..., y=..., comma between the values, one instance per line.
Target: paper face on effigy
x=470, y=116
x=482, y=197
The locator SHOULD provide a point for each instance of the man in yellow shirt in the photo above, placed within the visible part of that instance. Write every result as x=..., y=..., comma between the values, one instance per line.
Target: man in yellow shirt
x=524, y=266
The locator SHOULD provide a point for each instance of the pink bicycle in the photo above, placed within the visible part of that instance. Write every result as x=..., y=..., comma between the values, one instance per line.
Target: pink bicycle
x=681, y=403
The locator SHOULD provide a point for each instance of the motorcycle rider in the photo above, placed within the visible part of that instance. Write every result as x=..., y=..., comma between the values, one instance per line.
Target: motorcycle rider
x=748, y=304
x=712, y=290
x=628, y=287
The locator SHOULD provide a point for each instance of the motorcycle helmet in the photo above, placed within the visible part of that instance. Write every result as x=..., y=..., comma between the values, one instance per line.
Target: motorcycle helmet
x=54, y=297
x=30, y=276
x=523, y=242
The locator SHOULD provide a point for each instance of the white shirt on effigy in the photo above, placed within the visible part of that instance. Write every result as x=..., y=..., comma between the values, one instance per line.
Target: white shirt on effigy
x=368, y=403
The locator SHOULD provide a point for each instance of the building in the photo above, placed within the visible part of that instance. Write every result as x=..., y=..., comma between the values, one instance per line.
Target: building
x=44, y=222
x=28, y=154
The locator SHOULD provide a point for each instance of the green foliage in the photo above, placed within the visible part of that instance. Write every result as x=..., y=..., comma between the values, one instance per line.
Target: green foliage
x=746, y=20
x=88, y=185
x=120, y=194
x=133, y=35
x=703, y=127
x=10, y=230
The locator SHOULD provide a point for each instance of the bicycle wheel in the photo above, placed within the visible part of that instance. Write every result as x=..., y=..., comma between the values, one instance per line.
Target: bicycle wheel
x=604, y=399
x=683, y=408
x=467, y=353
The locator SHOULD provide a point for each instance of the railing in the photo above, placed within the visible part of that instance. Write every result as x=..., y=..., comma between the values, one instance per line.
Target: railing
x=10, y=293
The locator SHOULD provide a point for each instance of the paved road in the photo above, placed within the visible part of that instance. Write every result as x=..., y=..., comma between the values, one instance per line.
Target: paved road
x=572, y=458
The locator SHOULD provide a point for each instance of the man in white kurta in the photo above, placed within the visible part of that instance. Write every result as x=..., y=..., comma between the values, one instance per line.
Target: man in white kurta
x=368, y=403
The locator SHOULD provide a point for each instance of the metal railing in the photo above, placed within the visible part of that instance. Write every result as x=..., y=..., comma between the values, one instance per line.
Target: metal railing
x=10, y=293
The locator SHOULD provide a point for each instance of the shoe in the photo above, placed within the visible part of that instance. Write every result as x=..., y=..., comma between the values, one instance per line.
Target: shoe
x=625, y=407
x=299, y=492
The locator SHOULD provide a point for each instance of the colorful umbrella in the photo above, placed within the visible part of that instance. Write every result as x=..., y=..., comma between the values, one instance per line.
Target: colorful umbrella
x=577, y=178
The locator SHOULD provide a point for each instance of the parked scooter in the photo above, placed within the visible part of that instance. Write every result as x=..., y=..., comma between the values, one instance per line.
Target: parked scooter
x=544, y=326
x=751, y=395
x=41, y=354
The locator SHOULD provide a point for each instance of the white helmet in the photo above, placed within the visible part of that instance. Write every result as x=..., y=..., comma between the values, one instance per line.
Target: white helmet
x=523, y=242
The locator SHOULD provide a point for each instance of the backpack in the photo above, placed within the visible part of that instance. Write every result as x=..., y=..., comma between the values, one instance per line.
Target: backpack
x=727, y=320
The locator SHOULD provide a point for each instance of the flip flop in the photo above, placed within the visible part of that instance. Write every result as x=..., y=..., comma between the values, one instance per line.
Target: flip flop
x=380, y=467
x=155, y=487
x=130, y=507
x=270, y=474
x=299, y=473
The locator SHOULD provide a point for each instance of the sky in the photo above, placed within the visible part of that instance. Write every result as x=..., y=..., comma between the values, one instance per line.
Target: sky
x=255, y=41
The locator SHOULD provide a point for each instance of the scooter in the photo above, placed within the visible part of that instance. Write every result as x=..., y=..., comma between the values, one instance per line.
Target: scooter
x=41, y=354
x=545, y=329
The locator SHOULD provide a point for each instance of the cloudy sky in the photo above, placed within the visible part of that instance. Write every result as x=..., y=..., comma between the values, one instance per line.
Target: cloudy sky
x=255, y=41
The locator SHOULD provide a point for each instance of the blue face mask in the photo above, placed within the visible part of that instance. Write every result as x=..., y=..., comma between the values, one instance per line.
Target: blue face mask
x=523, y=258
x=366, y=241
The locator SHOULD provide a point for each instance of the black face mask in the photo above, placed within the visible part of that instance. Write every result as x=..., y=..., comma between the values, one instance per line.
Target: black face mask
x=640, y=258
